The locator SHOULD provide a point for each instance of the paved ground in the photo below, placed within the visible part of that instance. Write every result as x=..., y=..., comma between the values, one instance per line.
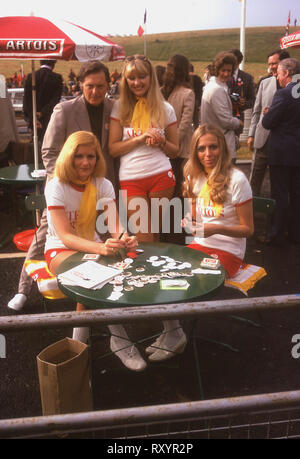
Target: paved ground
x=236, y=357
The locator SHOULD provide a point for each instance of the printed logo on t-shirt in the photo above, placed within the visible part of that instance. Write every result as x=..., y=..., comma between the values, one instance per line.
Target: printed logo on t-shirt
x=206, y=207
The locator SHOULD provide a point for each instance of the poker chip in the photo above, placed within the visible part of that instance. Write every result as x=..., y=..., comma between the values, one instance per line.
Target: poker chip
x=131, y=255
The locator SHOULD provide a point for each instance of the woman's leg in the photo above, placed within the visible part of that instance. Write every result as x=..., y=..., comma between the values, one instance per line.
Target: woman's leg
x=79, y=333
x=159, y=215
x=139, y=218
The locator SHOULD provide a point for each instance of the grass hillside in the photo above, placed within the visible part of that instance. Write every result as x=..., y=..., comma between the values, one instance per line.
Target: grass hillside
x=203, y=45
x=200, y=47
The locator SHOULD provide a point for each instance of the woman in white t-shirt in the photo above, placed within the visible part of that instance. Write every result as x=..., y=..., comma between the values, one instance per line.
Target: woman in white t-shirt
x=143, y=134
x=72, y=197
x=222, y=214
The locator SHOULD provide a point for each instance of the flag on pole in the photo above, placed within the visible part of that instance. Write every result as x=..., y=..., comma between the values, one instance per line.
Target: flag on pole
x=141, y=30
x=287, y=29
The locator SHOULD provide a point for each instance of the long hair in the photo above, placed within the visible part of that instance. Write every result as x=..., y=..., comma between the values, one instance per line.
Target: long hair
x=177, y=74
x=64, y=167
x=141, y=65
x=219, y=177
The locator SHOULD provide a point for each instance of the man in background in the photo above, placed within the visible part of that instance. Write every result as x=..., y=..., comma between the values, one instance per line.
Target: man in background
x=283, y=120
x=49, y=88
x=258, y=135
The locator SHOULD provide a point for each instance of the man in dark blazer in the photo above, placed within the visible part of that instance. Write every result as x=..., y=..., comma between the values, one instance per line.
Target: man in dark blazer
x=90, y=112
x=49, y=87
x=241, y=83
x=283, y=120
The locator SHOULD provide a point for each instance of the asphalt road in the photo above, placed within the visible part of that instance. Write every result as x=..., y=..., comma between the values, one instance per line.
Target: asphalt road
x=237, y=357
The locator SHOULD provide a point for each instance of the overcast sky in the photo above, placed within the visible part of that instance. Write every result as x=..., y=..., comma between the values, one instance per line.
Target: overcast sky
x=123, y=17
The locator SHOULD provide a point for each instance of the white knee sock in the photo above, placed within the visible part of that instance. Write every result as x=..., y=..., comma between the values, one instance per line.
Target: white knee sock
x=81, y=334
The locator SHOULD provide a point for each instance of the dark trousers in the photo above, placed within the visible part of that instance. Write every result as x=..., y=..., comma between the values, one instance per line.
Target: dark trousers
x=285, y=189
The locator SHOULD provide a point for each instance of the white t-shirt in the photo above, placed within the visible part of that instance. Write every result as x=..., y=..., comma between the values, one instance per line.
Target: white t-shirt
x=143, y=161
x=64, y=196
x=238, y=193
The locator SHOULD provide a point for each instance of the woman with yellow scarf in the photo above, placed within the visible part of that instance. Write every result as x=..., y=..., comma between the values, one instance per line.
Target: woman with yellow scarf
x=222, y=213
x=143, y=134
x=79, y=183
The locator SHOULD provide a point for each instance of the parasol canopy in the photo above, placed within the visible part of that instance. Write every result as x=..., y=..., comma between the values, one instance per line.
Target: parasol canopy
x=35, y=38
x=290, y=41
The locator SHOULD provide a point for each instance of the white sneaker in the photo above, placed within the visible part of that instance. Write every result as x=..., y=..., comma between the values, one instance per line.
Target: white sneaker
x=17, y=302
x=129, y=355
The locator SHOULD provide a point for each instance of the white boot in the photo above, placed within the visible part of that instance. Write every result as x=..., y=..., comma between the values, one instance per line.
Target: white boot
x=123, y=348
x=172, y=342
x=81, y=334
x=17, y=302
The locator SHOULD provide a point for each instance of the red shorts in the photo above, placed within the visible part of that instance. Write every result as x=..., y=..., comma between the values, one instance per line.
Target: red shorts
x=50, y=254
x=141, y=187
x=230, y=262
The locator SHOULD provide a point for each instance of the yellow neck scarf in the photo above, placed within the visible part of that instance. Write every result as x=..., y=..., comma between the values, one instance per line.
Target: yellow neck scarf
x=207, y=203
x=86, y=220
x=141, y=116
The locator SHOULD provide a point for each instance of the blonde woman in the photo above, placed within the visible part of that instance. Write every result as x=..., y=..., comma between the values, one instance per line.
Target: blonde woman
x=72, y=197
x=222, y=199
x=143, y=134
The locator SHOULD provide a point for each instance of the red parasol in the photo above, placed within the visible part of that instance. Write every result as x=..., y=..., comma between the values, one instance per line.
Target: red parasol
x=34, y=38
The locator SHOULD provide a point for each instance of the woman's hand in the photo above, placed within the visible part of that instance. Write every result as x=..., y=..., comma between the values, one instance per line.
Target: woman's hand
x=131, y=242
x=154, y=137
x=112, y=245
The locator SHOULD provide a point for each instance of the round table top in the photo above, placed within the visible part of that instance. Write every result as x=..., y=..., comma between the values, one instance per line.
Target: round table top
x=200, y=285
x=19, y=175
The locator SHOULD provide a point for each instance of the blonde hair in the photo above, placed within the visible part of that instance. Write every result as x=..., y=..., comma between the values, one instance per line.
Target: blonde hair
x=220, y=176
x=141, y=65
x=64, y=167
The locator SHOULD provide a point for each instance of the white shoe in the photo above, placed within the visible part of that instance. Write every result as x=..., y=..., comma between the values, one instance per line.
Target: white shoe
x=17, y=302
x=169, y=351
x=154, y=346
x=129, y=355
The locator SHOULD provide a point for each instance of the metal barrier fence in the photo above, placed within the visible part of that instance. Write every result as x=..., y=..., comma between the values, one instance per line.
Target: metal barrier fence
x=257, y=416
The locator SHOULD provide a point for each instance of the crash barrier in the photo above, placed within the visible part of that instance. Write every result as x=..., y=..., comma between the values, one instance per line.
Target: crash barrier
x=257, y=416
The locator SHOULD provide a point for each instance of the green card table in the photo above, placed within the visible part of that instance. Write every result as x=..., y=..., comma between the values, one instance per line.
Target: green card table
x=19, y=175
x=201, y=285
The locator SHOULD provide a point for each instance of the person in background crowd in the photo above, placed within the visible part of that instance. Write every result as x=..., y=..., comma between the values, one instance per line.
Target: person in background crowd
x=49, y=87
x=282, y=118
x=197, y=86
x=177, y=91
x=258, y=136
x=216, y=105
x=160, y=72
x=242, y=84
x=222, y=213
x=89, y=112
x=208, y=73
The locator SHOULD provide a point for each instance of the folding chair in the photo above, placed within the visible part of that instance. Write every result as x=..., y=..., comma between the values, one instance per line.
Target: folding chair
x=265, y=207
